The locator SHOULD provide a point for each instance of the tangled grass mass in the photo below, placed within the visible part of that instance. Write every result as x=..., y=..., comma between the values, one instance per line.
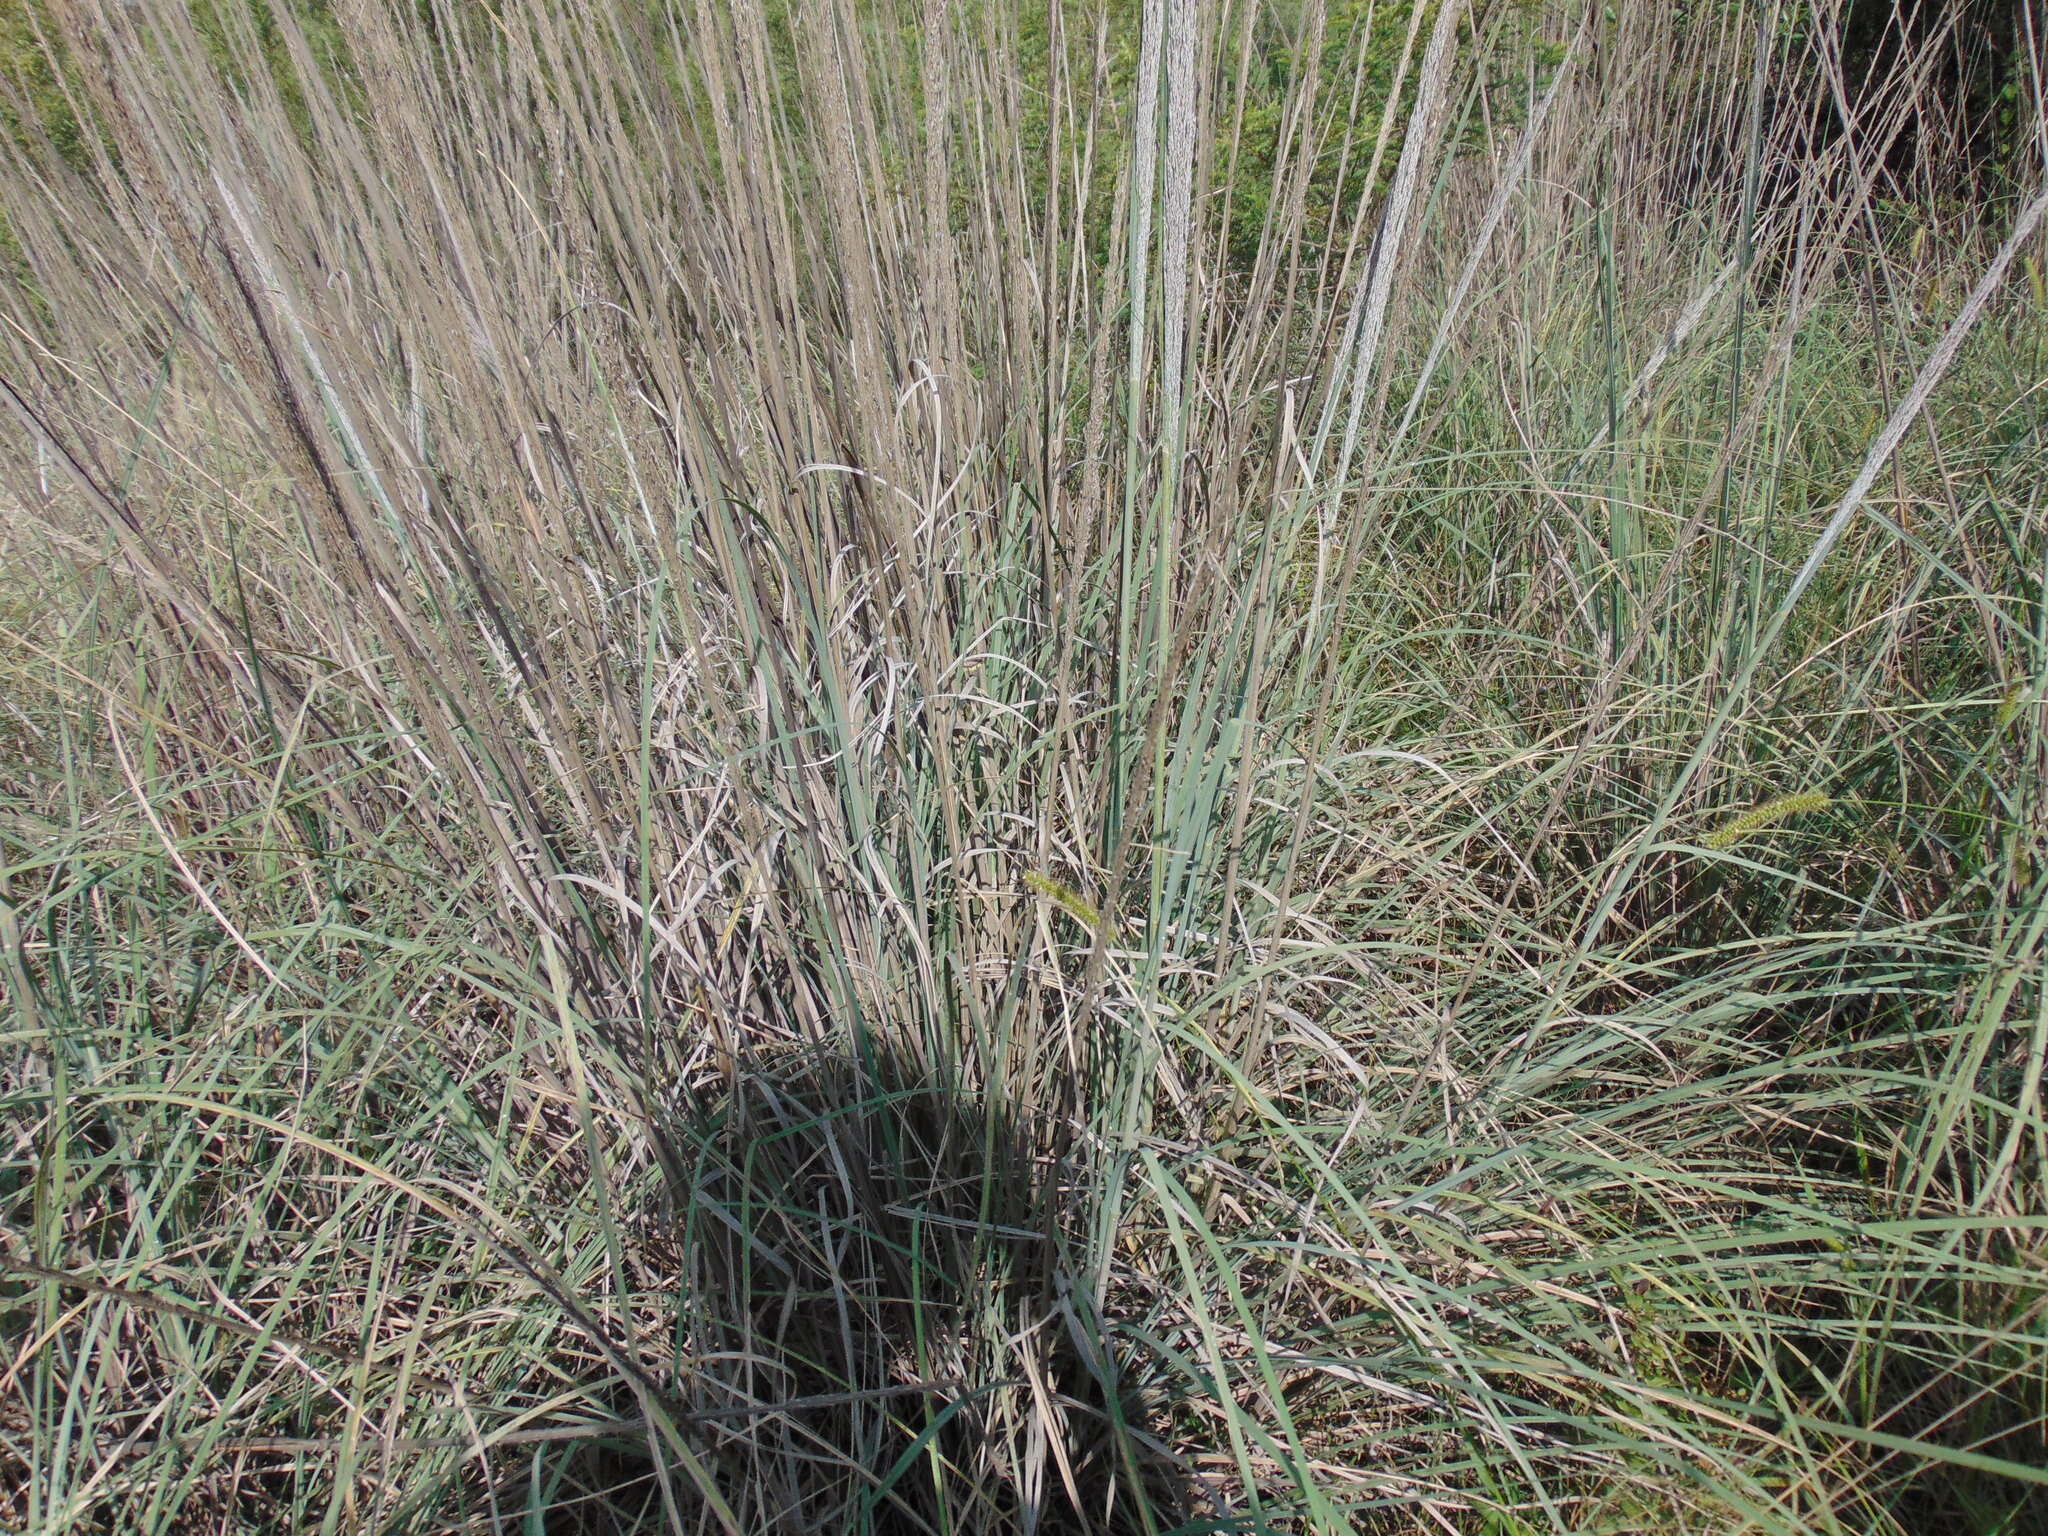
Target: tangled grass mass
x=934, y=767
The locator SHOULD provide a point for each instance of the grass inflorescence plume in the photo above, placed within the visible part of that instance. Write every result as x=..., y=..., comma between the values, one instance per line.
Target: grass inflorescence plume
x=1768, y=813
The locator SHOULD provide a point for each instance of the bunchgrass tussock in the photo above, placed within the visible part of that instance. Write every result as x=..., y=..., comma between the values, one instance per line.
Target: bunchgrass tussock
x=928, y=768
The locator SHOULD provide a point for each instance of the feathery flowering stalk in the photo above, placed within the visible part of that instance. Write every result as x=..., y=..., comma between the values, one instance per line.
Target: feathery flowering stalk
x=1770, y=813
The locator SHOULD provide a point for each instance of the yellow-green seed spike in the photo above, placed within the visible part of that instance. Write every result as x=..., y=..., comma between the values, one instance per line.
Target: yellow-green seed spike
x=1769, y=814
x=1066, y=898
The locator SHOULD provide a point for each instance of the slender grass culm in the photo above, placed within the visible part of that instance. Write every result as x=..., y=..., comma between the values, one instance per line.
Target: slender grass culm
x=1061, y=766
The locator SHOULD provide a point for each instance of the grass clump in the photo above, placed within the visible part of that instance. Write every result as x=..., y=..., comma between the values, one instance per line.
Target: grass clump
x=950, y=768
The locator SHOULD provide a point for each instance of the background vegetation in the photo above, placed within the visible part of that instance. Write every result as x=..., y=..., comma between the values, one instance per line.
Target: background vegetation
x=1092, y=766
